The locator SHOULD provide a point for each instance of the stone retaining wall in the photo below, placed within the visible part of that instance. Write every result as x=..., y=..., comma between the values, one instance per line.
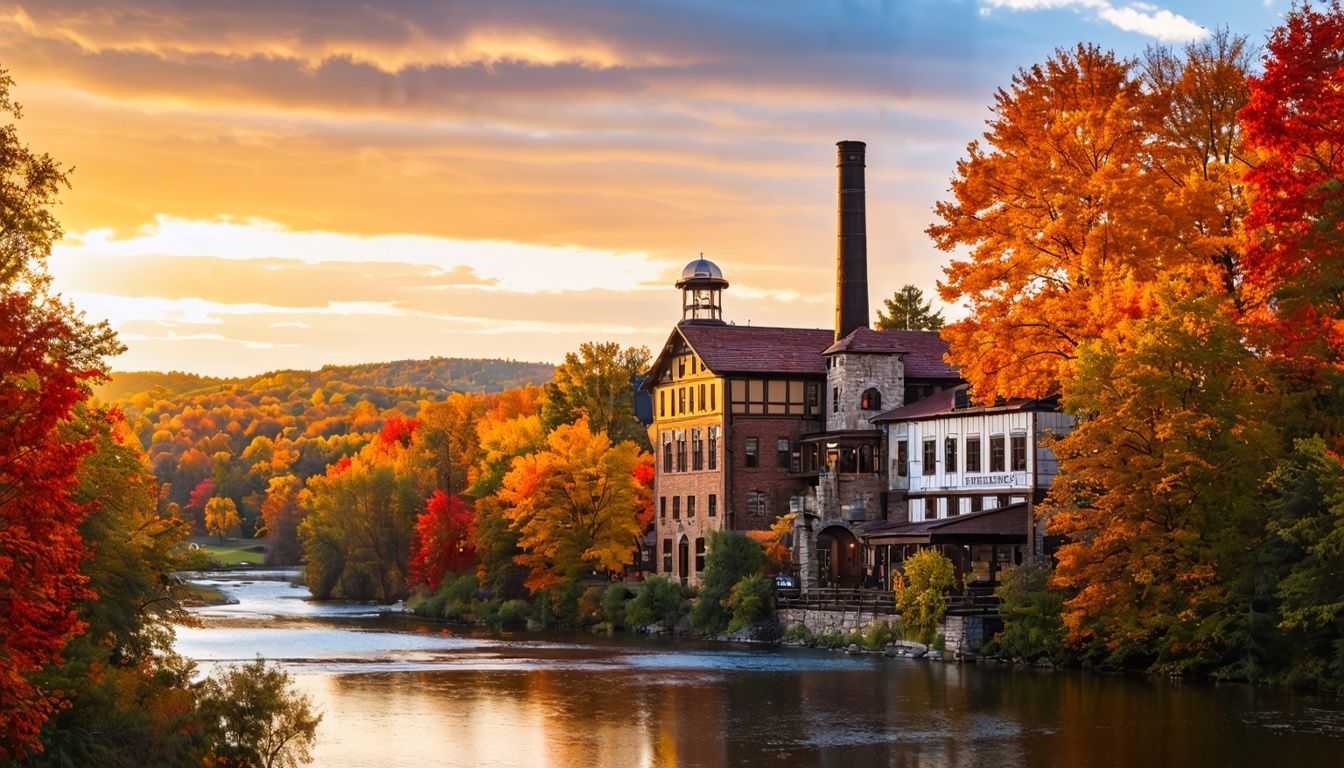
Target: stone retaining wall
x=962, y=634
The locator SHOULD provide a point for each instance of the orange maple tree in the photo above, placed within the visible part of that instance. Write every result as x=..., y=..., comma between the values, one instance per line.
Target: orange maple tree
x=1095, y=181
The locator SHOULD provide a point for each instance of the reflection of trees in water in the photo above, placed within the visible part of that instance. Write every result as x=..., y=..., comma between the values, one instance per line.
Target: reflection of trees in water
x=812, y=709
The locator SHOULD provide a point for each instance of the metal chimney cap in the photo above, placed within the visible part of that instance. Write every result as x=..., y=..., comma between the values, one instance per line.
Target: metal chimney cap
x=702, y=272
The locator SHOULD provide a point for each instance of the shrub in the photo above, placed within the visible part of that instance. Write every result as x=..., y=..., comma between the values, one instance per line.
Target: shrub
x=589, y=609
x=512, y=613
x=1032, y=613
x=562, y=605
x=485, y=613
x=928, y=574
x=542, y=613
x=878, y=635
x=452, y=600
x=729, y=559
x=613, y=605
x=458, y=596
x=830, y=640
x=799, y=633
x=658, y=599
x=751, y=601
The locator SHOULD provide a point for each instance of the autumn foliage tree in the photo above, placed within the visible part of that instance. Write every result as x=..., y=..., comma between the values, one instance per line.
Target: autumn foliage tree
x=1295, y=122
x=221, y=517
x=48, y=358
x=1095, y=180
x=574, y=505
x=444, y=540
x=1053, y=211
x=281, y=512
x=1157, y=241
x=596, y=383
x=1158, y=498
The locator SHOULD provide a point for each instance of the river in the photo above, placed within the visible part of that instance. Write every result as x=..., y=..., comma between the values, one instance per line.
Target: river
x=395, y=692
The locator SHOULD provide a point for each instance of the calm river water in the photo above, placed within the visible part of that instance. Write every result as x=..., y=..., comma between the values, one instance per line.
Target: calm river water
x=396, y=692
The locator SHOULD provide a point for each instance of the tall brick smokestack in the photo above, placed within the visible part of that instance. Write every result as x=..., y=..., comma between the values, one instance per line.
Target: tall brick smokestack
x=851, y=258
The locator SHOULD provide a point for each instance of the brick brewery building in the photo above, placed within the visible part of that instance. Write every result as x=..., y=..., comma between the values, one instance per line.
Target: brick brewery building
x=752, y=422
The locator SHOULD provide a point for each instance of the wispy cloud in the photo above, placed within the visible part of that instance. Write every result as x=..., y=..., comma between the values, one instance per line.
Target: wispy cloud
x=338, y=180
x=1142, y=18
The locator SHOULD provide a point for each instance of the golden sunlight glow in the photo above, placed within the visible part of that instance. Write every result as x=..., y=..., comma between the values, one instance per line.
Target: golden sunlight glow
x=317, y=182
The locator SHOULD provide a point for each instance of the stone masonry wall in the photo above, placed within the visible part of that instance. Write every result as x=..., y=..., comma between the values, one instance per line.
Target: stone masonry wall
x=853, y=373
x=962, y=634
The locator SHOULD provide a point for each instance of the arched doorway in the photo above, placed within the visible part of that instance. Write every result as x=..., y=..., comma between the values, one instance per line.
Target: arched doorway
x=838, y=558
x=684, y=559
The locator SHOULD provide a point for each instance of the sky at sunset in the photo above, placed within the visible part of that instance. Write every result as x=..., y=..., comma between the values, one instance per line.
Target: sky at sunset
x=261, y=184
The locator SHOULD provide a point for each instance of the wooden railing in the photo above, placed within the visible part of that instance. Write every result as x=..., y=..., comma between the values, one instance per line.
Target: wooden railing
x=879, y=601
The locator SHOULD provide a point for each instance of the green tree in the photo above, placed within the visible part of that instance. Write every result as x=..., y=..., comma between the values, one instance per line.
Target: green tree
x=1033, y=616
x=357, y=532
x=1306, y=546
x=730, y=558
x=751, y=601
x=907, y=310
x=658, y=600
x=264, y=721
x=597, y=383
x=922, y=594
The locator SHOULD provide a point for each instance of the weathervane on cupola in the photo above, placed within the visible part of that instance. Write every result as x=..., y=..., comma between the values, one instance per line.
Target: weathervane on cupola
x=702, y=287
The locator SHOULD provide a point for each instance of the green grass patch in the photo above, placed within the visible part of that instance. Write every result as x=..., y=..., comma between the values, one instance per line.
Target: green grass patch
x=231, y=552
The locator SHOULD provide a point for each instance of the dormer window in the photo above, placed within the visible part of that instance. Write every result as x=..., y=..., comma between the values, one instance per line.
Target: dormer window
x=871, y=400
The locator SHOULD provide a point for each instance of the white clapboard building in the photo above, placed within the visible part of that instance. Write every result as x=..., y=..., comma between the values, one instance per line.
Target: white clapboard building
x=966, y=477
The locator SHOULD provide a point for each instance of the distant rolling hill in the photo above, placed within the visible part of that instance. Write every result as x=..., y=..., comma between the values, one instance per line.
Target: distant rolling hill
x=233, y=434
x=446, y=374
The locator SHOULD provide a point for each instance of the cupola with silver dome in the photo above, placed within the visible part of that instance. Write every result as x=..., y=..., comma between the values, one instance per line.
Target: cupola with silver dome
x=702, y=285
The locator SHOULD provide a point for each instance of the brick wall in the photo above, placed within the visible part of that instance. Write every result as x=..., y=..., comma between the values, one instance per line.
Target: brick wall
x=768, y=477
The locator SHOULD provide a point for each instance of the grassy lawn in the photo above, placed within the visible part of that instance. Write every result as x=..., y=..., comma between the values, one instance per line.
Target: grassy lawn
x=232, y=551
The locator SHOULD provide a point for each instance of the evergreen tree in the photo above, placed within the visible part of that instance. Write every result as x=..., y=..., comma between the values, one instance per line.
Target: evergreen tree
x=907, y=310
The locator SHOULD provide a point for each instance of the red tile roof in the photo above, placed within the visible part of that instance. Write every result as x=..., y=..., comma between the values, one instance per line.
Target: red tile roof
x=763, y=349
x=925, y=352
x=933, y=405
x=943, y=403
x=868, y=340
x=759, y=349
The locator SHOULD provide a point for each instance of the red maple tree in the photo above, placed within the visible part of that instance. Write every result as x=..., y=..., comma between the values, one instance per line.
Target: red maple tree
x=1294, y=120
x=444, y=533
x=40, y=545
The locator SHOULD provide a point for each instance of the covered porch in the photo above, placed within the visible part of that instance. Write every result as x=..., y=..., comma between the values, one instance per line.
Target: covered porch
x=981, y=545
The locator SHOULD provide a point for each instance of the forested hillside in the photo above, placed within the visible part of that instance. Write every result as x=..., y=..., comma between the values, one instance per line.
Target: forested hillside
x=210, y=437
x=444, y=373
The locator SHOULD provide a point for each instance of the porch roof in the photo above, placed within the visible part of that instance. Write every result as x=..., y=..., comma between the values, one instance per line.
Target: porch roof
x=1001, y=525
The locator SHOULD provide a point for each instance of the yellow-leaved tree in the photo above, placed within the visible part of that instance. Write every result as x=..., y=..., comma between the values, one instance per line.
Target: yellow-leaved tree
x=221, y=517
x=574, y=505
